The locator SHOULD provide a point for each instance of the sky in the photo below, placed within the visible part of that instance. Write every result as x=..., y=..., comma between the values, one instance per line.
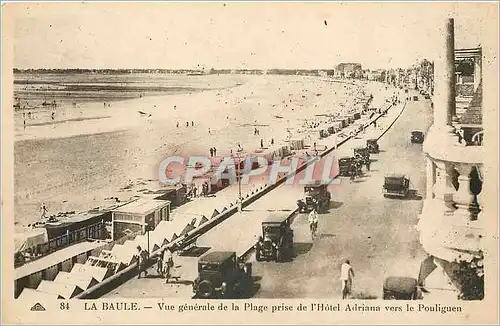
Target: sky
x=239, y=35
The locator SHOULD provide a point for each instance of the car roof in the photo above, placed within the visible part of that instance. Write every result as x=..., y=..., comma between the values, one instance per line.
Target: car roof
x=417, y=130
x=400, y=284
x=344, y=157
x=216, y=256
x=372, y=139
x=395, y=175
x=276, y=218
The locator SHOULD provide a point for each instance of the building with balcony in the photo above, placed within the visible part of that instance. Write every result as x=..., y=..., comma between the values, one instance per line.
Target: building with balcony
x=451, y=225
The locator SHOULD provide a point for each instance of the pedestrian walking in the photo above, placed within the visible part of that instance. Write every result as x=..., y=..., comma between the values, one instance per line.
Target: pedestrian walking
x=52, y=115
x=346, y=277
x=168, y=263
x=177, y=124
x=215, y=151
x=24, y=124
x=209, y=132
x=195, y=190
x=43, y=208
x=142, y=256
x=187, y=124
x=211, y=152
x=192, y=123
x=272, y=141
x=261, y=143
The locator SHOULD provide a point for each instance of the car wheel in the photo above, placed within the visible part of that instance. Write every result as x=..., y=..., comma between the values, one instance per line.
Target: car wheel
x=279, y=256
x=205, y=289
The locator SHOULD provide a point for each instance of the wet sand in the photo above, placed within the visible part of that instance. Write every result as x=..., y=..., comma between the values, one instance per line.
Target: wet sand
x=74, y=165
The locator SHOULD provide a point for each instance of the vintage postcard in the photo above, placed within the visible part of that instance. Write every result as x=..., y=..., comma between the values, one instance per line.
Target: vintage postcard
x=249, y=163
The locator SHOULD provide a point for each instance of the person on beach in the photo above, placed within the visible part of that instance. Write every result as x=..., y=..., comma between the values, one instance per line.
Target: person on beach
x=215, y=151
x=209, y=132
x=29, y=115
x=261, y=143
x=272, y=141
x=52, y=116
x=142, y=256
x=187, y=124
x=192, y=123
x=346, y=276
x=177, y=124
x=43, y=208
x=24, y=124
x=211, y=152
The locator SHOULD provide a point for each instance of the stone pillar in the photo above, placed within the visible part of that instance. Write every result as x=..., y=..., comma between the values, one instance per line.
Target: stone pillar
x=430, y=179
x=445, y=107
x=443, y=189
x=477, y=71
x=464, y=198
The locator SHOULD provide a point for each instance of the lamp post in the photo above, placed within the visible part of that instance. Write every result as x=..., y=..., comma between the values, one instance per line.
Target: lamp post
x=238, y=178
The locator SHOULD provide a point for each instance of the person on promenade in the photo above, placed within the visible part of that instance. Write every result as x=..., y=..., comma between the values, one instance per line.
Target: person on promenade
x=215, y=151
x=261, y=143
x=142, y=256
x=211, y=152
x=313, y=222
x=346, y=277
x=168, y=263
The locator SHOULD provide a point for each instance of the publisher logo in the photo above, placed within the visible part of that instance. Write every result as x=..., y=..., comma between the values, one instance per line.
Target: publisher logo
x=37, y=307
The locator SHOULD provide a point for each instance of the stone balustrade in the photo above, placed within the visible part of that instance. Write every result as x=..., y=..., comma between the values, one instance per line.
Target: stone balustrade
x=451, y=226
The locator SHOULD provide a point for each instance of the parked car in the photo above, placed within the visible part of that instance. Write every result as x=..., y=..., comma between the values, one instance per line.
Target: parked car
x=344, y=166
x=396, y=184
x=372, y=146
x=417, y=136
x=400, y=288
x=276, y=241
x=315, y=196
x=222, y=274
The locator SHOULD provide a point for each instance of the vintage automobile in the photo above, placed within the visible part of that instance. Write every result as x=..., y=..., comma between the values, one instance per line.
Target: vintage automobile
x=400, y=288
x=315, y=196
x=345, y=166
x=415, y=97
x=417, y=137
x=276, y=241
x=372, y=146
x=222, y=274
x=396, y=185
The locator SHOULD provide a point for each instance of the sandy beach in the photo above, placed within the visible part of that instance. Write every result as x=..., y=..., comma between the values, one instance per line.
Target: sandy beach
x=74, y=163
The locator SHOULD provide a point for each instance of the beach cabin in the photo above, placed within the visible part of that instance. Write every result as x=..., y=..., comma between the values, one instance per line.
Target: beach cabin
x=66, y=291
x=113, y=265
x=139, y=216
x=98, y=273
x=296, y=144
x=32, y=295
x=84, y=282
x=175, y=194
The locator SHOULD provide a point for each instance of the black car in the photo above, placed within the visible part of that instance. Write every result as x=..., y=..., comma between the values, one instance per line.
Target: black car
x=396, y=184
x=222, y=274
x=417, y=137
x=277, y=239
x=345, y=166
x=400, y=288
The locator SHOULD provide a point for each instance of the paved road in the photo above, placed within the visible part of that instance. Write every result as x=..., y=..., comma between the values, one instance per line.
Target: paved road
x=377, y=234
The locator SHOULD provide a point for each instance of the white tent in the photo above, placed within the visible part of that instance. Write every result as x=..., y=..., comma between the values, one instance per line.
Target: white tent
x=66, y=291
